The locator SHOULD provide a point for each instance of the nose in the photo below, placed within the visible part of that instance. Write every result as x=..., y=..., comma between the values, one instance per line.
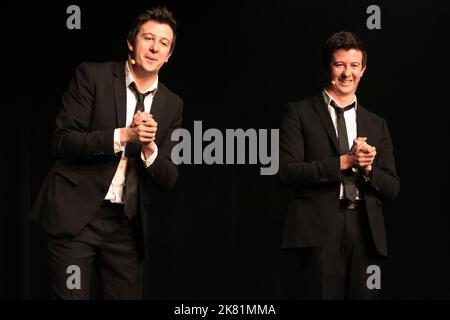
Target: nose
x=154, y=46
x=347, y=72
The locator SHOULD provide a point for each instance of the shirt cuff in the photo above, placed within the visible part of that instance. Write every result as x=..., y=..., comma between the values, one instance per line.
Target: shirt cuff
x=148, y=162
x=117, y=146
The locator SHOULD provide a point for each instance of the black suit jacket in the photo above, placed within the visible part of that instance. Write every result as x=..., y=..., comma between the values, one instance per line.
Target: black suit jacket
x=309, y=156
x=92, y=107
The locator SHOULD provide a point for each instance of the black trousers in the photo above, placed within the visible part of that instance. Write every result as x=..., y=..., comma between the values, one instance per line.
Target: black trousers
x=108, y=242
x=338, y=269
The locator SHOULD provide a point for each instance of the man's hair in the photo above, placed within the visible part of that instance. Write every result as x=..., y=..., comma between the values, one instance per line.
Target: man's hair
x=159, y=14
x=342, y=40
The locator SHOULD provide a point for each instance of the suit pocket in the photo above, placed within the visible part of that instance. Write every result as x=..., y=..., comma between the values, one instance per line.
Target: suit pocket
x=71, y=176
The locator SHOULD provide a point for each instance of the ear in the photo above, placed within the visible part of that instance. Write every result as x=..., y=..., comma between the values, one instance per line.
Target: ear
x=130, y=47
x=170, y=54
x=362, y=71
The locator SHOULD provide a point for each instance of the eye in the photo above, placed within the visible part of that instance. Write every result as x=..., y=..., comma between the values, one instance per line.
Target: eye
x=164, y=44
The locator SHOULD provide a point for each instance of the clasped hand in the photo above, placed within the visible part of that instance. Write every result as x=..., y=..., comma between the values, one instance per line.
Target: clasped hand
x=362, y=154
x=143, y=128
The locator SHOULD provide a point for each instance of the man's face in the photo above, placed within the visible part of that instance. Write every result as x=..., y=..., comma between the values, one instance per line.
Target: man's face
x=346, y=71
x=152, y=46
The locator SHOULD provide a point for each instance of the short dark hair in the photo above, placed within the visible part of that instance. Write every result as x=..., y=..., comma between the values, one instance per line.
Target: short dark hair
x=342, y=40
x=160, y=14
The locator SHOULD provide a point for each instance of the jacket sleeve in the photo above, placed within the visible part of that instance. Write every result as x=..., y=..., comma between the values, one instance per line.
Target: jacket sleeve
x=72, y=138
x=384, y=179
x=163, y=173
x=294, y=170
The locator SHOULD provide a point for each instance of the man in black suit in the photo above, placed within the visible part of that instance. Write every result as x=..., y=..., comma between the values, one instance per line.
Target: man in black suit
x=113, y=144
x=337, y=157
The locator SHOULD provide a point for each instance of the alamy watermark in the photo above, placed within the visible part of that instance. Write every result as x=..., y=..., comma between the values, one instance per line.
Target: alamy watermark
x=74, y=279
x=74, y=20
x=374, y=280
x=374, y=20
x=239, y=145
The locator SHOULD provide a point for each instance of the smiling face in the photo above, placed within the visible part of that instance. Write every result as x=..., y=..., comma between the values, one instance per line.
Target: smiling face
x=346, y=70
x=152, y=47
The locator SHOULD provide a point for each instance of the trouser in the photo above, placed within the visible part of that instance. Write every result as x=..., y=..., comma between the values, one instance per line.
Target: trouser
x=108, y=242
x=343, y=267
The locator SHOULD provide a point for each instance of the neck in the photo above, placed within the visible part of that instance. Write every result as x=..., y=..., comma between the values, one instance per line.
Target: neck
x=341, y=99
x=144, y=80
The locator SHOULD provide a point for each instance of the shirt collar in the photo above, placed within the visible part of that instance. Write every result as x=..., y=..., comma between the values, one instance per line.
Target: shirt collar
x=129, y=79
x=328, y=98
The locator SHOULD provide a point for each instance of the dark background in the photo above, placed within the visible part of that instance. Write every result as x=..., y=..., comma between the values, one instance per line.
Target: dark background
x=217, y=234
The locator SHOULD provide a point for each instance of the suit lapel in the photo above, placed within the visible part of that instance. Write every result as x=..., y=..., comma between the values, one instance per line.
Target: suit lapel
x=157, y=110
x=325, y=117
x=361, y=123
x=120, y=94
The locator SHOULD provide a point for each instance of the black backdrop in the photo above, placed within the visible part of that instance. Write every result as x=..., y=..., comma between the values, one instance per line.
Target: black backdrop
x=217, y=234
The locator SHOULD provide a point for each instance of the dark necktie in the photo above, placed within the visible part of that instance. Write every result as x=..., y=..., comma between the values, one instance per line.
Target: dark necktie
x=132, y=151
x=348, y=176
x=140, y=97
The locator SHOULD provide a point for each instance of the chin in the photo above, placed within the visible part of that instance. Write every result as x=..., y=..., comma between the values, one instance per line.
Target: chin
x=147, y=69
x=347, y=90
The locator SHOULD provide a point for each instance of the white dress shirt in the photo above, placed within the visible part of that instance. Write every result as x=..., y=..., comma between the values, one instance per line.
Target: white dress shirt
x=115, y=192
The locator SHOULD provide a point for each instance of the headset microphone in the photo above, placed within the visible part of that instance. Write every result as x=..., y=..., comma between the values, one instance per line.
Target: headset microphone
x=132, y=61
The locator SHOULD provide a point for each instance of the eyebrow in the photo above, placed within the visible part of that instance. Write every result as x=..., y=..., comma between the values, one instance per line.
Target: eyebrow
x=354, y=62
x=149, y=33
